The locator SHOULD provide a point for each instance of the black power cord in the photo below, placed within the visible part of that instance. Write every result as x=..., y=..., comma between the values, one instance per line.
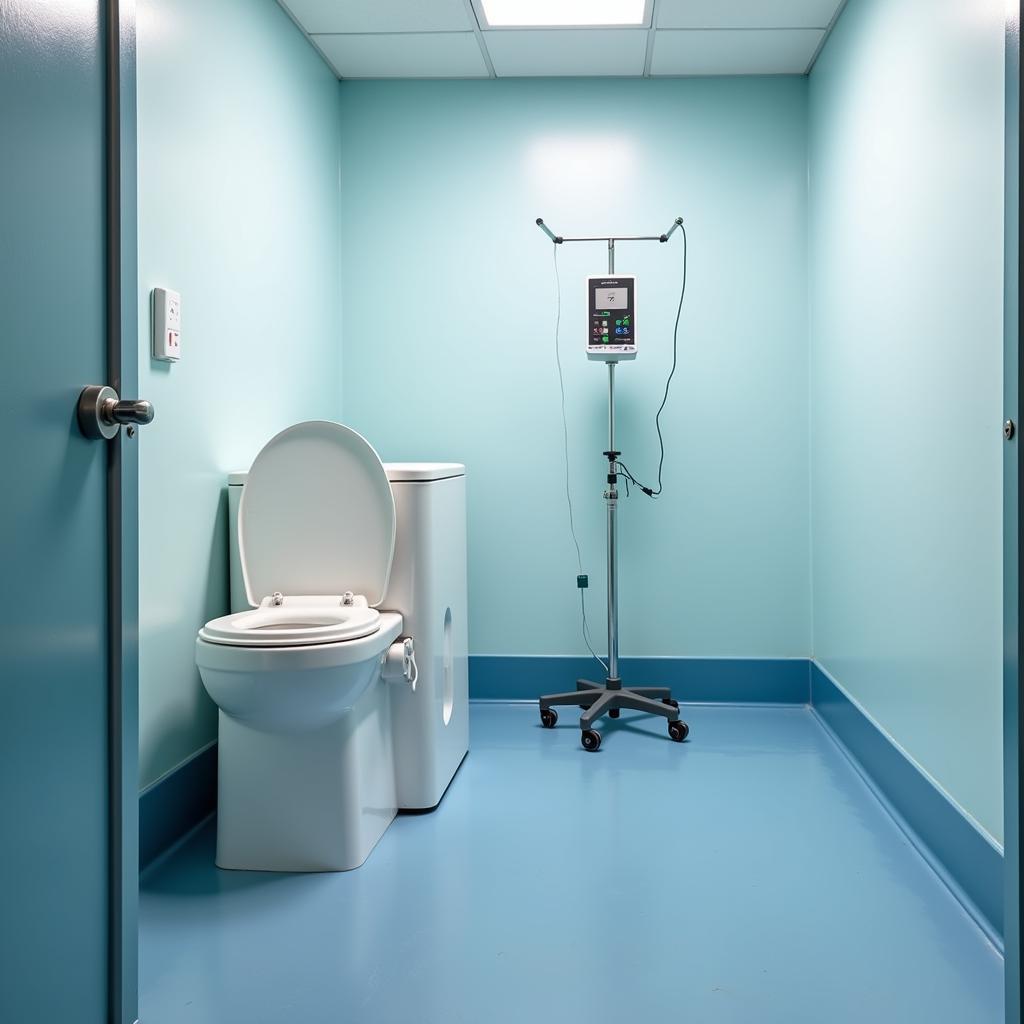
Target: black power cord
x=620, y=468
x=581, y=579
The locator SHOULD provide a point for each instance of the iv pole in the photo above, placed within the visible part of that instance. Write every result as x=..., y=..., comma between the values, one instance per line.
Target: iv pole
x=611, y=696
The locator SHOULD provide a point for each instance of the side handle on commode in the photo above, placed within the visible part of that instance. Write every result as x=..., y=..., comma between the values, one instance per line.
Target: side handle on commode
x=399, y=662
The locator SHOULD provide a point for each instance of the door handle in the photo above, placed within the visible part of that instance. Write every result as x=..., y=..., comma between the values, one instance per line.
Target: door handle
x=101, y=412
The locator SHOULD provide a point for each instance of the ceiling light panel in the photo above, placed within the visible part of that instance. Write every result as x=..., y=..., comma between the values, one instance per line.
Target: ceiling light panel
x=563, y=13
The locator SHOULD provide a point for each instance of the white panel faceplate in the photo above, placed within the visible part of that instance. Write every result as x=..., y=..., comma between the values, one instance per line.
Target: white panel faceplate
x=166, y=325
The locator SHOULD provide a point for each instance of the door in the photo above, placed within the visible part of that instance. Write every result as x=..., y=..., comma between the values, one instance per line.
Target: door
x=1012, y=704
x=67, y=514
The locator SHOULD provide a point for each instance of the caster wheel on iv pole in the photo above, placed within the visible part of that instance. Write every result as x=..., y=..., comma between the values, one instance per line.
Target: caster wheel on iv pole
x=548, y=717
x=670, y=702
x=591, y=740
x=678, y=730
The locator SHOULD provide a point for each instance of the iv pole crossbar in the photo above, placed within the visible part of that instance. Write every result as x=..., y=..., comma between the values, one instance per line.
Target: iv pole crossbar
x=611, y=696
x=559, y=239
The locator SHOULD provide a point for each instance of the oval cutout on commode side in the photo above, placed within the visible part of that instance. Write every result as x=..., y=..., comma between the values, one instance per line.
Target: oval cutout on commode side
x=448, y=671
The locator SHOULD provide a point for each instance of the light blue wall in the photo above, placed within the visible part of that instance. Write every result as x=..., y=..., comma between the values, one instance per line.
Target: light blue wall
x=449, y=307
x=238, y=210
x=906, y=116
x=891, y=485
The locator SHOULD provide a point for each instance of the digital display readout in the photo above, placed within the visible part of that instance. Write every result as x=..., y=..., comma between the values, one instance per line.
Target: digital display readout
x=613, y=298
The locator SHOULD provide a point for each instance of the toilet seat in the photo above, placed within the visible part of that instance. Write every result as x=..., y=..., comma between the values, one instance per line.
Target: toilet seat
x=296, y=621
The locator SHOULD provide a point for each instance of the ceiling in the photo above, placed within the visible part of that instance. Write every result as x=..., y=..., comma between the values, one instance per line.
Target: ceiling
x=451, y=39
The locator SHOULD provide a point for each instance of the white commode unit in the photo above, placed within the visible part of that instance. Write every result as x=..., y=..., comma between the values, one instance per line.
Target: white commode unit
x=428, y=586
x=304, y=676
x=427, y=723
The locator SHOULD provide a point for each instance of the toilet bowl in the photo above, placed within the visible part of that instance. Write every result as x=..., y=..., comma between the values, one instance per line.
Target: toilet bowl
x=305, y=755
x=294, y=688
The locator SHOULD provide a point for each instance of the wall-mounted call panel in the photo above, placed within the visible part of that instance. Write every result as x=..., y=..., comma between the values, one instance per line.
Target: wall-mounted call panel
x=166, y=325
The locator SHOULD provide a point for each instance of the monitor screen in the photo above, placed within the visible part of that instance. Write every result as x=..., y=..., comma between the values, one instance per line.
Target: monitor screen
x=611, y=298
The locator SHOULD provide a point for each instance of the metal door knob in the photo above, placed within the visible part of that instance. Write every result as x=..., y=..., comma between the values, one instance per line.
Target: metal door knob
x=101, y=412
x=137, y=411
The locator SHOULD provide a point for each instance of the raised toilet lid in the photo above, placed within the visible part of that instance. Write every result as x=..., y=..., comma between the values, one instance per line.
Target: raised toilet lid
x=317, y=516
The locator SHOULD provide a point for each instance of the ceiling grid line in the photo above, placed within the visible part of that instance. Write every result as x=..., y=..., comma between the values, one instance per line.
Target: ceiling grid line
x=420, y=32
x=828, y=31
x=423, y=39
x=480, y=41
x=652, y=28
x=309, y=39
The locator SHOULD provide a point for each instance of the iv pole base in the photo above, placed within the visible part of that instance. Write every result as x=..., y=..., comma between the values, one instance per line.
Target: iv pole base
x=597, y=699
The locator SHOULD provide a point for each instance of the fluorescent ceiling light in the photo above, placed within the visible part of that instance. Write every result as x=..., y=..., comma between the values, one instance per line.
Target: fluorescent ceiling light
x=563, y=13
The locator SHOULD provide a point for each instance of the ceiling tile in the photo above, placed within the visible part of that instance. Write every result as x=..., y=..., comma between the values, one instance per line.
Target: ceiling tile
x=735, y=51
x=415, y=55
x=567, y=52
x=746, y=13
x=380, y=15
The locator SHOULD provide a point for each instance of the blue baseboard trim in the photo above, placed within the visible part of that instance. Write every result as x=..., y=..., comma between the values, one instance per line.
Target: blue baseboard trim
x=965, y=859
x=694, y=680
x=175, y=804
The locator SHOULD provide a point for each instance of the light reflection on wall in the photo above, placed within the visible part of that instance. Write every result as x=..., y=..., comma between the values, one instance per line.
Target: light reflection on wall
x=592, y=165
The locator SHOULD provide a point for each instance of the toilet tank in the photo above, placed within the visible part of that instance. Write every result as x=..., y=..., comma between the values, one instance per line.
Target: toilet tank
x=428, y=586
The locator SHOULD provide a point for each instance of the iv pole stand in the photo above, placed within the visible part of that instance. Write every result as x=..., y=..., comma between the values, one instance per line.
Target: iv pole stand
x=610, y=697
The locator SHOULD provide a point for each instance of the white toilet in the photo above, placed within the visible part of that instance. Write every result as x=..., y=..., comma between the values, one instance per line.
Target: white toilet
x=327, y=727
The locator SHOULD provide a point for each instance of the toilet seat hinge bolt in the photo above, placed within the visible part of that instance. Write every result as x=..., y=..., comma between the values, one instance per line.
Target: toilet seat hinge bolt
x=278, y=598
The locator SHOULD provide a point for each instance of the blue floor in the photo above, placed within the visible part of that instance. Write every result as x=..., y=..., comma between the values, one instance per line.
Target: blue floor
x=747, y=875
